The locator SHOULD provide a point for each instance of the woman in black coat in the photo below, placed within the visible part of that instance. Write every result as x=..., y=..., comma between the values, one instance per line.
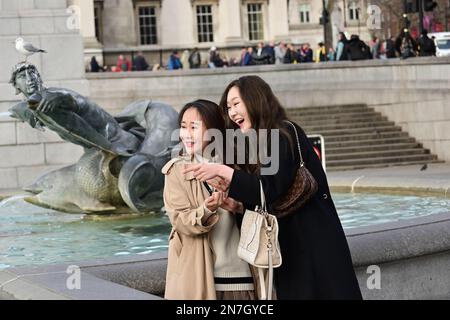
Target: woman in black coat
x=316, y=258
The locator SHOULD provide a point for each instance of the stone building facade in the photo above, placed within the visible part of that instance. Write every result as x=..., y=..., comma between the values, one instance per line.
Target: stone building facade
x=156, y=27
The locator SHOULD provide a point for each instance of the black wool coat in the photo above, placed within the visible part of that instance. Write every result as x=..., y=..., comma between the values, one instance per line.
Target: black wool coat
x=316, y=259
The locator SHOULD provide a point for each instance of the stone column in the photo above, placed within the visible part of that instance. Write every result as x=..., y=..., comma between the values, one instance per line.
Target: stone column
x=230, y=15
x=294, y=17
x=119, y=24
x=278, y=20
x=84, y=11
x=177, y=23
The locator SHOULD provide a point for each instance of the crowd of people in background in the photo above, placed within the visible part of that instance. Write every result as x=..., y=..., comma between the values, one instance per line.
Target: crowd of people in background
x=347, y=49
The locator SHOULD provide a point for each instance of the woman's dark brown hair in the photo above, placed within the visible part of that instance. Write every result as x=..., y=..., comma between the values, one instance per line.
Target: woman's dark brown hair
x=212, y=116
x=263, y=108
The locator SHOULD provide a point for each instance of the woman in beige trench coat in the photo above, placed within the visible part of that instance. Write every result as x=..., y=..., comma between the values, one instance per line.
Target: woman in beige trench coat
x=203, y=262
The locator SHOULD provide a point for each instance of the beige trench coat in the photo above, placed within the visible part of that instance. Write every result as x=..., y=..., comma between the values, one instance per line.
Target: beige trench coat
x=190, y=269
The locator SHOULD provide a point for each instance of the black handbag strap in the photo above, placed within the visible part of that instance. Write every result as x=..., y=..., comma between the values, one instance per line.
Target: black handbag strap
x=302, y=163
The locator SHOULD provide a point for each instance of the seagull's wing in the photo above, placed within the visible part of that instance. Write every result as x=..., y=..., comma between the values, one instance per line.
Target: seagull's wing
x=29, y=47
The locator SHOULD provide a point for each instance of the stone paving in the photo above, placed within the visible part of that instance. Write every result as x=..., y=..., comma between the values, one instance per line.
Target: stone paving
x=435, y=179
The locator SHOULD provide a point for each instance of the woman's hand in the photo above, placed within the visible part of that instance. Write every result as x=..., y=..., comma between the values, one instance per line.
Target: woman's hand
x=220, y=184
x=209, y=171
x=232, y=205
x=214, y=201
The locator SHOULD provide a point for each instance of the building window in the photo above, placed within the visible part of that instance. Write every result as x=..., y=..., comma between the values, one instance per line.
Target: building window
x=255, y=21
x=98, y=20
x=353, y=11
x=147, y=25
x=205, y=23
x=305, y=9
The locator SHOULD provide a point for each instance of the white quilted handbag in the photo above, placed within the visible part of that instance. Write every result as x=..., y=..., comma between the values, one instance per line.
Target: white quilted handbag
x=259, y=245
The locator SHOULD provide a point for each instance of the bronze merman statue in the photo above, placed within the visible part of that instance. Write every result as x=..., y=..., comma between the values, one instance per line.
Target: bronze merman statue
x=120, y=170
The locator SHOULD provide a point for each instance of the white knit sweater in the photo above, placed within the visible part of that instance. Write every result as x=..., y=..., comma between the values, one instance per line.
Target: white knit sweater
x=231, y=273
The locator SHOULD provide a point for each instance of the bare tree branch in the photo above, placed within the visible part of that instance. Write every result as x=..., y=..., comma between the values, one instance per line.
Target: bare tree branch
x=394, y=7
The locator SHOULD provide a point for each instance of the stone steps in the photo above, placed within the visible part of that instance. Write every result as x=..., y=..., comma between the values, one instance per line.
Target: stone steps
x=337, y=121
x=358, y=137
x=375, y=131
x=318, y=113
x=371, y=148
x=356, y=125
x=423, y=158
x=362, y=137
x=371, y=142
x=382, y=165
x=328, y=108
x=345, y=117
x=376, y=154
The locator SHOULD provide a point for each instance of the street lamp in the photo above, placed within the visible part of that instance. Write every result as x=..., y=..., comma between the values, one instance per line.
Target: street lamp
x=407, y=22
x=421, y=8
x=345, y=14
x=324, y=20
x=359, y=20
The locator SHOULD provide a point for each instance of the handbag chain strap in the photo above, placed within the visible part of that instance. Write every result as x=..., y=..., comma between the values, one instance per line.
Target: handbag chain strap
x=266, y=293
x=302, y=163
x=270, y=284
x=263, y=208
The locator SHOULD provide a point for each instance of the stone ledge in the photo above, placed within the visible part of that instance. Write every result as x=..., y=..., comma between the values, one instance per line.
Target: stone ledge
x=423, y=61
x=120, y=278
x=416, y=191
x=21, y=288
x=404, y=180
x=144, y=274
x=34, y=13
x=419, y=278
x=400, y=240
x=51, y=284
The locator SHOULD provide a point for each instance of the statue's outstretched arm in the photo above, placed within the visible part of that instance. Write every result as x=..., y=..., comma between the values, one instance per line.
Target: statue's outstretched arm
x=59, y=112
x=22, y=112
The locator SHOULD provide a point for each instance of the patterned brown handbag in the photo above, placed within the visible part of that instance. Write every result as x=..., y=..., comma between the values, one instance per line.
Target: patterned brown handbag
x=302, y=189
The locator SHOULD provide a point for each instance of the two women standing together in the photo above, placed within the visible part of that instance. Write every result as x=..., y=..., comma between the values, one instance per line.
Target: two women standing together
x=205, y=199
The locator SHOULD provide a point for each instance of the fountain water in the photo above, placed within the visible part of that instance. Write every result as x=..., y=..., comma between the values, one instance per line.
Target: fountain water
x=31, y=235
x=4, y=202
x=5, y=114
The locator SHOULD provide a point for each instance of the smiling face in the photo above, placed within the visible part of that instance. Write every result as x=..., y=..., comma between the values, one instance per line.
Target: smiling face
x=237, y=110
x=192, y=131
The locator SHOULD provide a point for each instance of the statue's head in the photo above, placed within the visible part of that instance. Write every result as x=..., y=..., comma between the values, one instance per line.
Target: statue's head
x=26, y=79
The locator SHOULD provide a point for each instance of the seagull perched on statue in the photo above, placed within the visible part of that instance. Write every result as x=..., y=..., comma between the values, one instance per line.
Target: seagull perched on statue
x=26, y=48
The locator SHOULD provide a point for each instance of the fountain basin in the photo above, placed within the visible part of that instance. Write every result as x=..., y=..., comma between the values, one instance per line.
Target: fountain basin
x=411, y=252
x=30, y=235
x=413, y=256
